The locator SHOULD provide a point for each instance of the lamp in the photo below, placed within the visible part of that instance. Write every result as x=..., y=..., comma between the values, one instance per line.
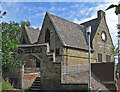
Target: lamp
x=88, y=30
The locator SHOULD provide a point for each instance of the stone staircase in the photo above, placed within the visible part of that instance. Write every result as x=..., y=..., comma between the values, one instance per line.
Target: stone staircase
x=36, y=86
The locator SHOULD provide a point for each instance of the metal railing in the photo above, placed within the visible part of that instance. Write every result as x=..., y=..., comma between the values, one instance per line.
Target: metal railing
x=31, y=70
x=74, y=68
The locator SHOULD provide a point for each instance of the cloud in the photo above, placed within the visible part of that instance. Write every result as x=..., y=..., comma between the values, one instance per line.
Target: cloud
x=59, y=9
x=75, y=6
x=52, y=8
x=40, y=14
x=111, y=19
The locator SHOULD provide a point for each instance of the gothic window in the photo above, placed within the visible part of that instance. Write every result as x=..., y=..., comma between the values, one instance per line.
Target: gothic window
x=99, y=57
x=37, y=63
x=23, y=41
x=47, y=37
x=57, y=52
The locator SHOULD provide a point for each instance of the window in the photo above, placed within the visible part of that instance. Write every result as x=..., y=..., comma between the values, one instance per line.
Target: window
x=47, y=37
x=23, y=41
x=99, y=57
x=37, y=63
x=57, y=52
x=108, y=58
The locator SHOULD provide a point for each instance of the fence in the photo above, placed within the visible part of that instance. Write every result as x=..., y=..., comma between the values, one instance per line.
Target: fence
x=74, y=68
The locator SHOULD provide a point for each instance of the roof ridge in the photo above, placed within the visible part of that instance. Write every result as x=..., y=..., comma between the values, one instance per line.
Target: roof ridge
x=89, y=21
x=33, y=28
x=64, y=19
x=63, y=28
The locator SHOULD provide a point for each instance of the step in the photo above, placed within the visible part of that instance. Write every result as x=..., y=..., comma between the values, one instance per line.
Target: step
x=36, y=84
x=38, y=78
x=36, y=81
x=31, y=89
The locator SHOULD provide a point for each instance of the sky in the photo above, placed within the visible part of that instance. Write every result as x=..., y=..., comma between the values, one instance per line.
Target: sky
x=77, y=12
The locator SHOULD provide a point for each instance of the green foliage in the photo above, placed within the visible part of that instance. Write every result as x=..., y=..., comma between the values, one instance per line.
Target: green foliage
x=118, y=26
x=115, y=51
x=2, y=13
x=6, y=85
x=10, y=40
x=25, y=23
x=117, y=68
x=117, y=8
x=11, y=34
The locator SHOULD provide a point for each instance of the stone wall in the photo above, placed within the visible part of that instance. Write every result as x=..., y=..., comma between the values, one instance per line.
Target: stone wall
x=54, y=38
x=100, y=46
x=76, y=56
x=50, y=74
x=74, y=86
x=14, y=75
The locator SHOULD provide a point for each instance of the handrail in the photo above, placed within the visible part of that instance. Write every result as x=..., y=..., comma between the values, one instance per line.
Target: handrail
x=74, y=68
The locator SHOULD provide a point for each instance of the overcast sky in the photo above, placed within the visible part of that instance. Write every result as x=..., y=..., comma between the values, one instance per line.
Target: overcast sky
x=77, y=12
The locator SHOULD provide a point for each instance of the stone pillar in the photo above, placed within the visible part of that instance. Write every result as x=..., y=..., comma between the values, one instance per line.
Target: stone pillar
x=48, y=47
x=53, y=56
x=50, y=73
x=22, y=74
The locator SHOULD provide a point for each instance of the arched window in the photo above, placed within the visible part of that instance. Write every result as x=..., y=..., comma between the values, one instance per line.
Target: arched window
x=23, y=41
x=47, y=37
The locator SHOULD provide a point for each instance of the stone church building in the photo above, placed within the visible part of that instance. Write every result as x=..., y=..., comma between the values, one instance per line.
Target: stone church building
x=67, y=42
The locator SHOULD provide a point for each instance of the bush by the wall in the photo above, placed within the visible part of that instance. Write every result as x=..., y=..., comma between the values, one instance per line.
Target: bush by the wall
x=6, y=85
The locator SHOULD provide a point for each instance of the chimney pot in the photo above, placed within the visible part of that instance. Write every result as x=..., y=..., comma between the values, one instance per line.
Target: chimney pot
x=101, y=14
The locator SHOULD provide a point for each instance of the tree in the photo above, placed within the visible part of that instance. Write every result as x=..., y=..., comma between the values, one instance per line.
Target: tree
x=24, y=23
x=11, y=33
x=10, y=41
x=2, y=13
x=117, y=8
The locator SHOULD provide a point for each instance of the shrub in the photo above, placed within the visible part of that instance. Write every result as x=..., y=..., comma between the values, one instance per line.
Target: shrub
x=6, y=85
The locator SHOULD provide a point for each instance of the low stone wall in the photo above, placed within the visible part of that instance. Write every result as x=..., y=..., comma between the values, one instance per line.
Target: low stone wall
x=51, y=75
x=14, y=75
x=74, y=86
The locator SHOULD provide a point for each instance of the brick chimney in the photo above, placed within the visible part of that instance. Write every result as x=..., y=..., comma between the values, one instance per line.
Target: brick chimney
x=100, y=14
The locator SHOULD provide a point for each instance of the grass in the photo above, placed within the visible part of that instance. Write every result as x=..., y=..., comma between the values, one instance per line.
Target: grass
x=6, y=85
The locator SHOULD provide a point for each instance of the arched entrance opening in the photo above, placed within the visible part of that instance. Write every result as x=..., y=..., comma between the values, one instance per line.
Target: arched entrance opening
x=32, y=63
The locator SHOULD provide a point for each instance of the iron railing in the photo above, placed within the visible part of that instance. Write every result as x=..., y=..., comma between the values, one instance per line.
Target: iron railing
x=74, y=68
x=31, y=70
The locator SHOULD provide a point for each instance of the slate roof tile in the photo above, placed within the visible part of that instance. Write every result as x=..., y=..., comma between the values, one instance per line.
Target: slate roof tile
x=33, y=34
x=70, y=33
x=94, y=23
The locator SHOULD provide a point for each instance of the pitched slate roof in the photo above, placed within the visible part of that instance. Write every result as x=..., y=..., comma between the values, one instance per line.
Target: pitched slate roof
x=69, y=33
x=94, y=23
x=33, y=34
